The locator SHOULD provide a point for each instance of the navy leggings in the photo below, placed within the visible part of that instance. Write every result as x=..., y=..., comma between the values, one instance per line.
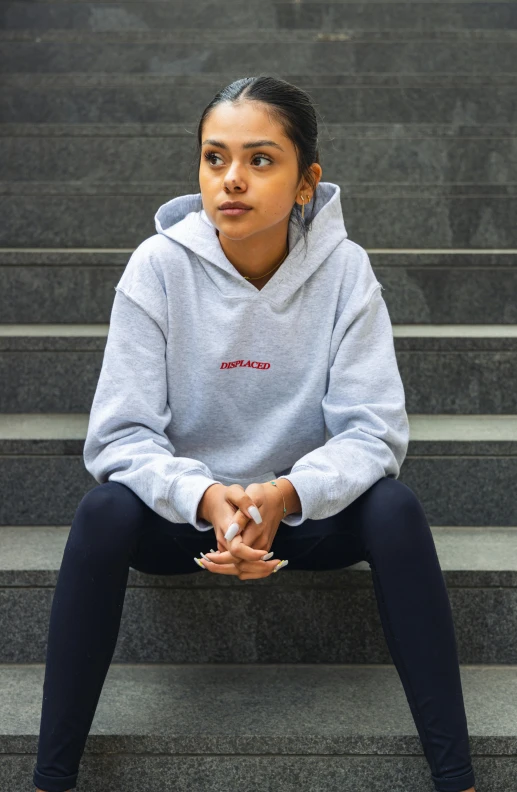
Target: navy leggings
x=113, y=530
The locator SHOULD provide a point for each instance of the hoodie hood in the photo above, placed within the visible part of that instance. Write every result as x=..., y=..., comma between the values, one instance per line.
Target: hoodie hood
x=184, y=220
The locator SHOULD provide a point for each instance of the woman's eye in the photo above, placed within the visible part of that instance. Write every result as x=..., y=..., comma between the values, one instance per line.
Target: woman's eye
x=209, y=155
x=261, y=156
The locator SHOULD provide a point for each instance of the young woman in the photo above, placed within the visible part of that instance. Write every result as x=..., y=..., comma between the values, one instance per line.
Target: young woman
x=250, y=389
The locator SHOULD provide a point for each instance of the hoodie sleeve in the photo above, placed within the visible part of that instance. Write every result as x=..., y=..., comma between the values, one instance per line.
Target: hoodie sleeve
x=126, y=439
x=364, y=410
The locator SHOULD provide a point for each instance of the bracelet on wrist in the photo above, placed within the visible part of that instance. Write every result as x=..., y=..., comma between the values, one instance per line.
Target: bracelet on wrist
x=281, y=493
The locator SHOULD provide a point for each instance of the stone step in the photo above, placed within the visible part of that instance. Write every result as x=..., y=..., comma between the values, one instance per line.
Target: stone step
x=257, y=35
x=109, y=16
x=311, y=728
x=433, y=291
x=354, y=154
x=121, y=214
x=150, y=98
x=479, y=565
x=185, y=52
x=463, y=468
x=467, y=375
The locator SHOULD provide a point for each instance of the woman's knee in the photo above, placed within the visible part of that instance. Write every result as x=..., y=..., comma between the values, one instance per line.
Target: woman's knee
x=108, y=519
x=392, y=516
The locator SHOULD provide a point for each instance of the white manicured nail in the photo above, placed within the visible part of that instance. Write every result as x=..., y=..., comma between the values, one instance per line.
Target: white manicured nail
x=280, y=565
x=232, y=531
x=267, y=556
x=199, y=562
x=255, y=514
x=204, y=556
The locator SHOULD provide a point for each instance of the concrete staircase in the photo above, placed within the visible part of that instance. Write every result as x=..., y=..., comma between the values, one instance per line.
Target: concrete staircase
x=418, y=121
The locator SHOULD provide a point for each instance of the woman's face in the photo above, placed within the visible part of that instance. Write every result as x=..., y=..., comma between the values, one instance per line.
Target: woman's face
x=263, y=176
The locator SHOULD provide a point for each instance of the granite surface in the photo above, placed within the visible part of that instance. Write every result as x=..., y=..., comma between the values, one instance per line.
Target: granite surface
x=297, y=728
x=147, y=98
x=313, y=616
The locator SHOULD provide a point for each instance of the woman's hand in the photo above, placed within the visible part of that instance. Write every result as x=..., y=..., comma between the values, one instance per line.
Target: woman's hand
x=242, y=555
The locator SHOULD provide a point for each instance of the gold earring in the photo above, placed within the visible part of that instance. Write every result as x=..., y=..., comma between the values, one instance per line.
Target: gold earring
x=303, y=206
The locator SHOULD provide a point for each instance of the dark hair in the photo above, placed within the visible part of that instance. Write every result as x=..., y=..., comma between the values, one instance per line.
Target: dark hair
x=293, y=109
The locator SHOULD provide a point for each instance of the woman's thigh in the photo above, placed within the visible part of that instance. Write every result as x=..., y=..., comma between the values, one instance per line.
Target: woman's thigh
x=167, y=548
x=331, y=543
x=382, y=515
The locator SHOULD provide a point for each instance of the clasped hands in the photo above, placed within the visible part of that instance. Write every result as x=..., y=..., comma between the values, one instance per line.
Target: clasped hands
x=257, y=511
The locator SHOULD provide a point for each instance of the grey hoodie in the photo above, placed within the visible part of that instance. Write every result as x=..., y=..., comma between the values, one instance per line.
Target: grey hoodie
x=207, y=379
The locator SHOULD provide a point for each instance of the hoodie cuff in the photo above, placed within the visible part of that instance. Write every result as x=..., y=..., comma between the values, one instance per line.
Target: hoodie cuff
x=306, y=482
x=186, y=492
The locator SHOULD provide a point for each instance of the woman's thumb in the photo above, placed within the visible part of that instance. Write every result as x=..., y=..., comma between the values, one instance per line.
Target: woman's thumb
x=239, y=519
x=238, y=523
x=233, y=529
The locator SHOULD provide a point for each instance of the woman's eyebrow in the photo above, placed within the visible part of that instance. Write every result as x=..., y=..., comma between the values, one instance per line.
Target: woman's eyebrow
x=251, y=144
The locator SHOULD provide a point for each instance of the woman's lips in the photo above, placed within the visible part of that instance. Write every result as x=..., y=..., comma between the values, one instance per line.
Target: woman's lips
x=232, y=212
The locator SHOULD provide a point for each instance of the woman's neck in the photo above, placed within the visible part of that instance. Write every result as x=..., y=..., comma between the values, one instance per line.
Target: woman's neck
x=253, y=259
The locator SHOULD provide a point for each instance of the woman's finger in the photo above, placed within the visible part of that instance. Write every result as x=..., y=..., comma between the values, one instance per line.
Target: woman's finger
x=241, y=549
x=254, y=571
x=238, y=522
x=225, y=557
x=236, y=494
x=246, y=503
x=228, y=556
x=219, y=569
x=221, y=558
x=246, y=571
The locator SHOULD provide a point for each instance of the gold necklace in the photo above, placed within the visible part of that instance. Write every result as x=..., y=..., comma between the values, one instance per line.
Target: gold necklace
x=274, y=268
